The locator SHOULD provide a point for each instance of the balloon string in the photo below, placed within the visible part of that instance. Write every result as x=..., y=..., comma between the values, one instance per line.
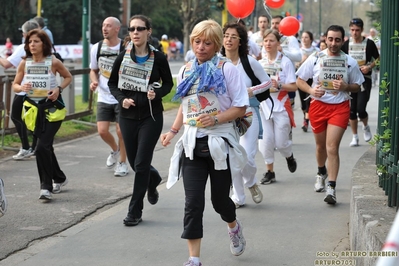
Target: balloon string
x=267, y=10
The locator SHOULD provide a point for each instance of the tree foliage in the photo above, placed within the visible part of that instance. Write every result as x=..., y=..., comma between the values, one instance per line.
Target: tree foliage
x=13, y=13
x=65, y=18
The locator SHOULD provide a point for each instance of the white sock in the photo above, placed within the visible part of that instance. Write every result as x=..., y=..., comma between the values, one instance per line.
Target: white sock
x=355, y=136
x=195, y=260
x=234, y=229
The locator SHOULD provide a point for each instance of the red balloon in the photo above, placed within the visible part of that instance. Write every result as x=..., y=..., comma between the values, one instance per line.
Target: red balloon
x=289, y=26
x=274, y=3
x=240, y=8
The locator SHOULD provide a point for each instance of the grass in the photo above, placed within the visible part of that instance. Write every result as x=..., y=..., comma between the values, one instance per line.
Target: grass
x=74, y=129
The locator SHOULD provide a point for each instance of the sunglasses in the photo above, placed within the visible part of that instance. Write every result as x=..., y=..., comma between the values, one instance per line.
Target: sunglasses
x=132, y=29
x=356, y=22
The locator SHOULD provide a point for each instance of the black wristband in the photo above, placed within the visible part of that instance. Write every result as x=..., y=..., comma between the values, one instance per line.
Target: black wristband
x=60, y=88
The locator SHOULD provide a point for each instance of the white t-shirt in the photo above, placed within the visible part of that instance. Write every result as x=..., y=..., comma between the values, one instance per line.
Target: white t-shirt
x=236, y=94
x=253, y=48
x=104, y=95
x=286, y=75
x=257, y=38
x=16, y=58
x=311, y=69
x=259, y=73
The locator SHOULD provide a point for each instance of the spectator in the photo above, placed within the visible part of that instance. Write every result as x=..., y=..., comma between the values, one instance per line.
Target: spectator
x=9, y=47
x=165, y=44
x=179, y=48
x=172, y=50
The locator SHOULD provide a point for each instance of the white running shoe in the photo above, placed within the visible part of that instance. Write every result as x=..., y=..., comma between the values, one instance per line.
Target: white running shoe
x=237, y=241
x=45, y=194
x=112, y=159
x=257, y=195
x=330, y=196
x=57, y=186
x=367, y=133
x=320, y=182
x=354, y=142
x=3, y=199
x=121, y=169
x=22, y=154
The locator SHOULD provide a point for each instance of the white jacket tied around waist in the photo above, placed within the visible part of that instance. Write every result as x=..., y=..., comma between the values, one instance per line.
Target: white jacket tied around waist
x=218, y=148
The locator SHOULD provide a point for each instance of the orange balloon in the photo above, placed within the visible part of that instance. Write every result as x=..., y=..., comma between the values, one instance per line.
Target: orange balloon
x=240, y=8
x=274, y=3
x=289, y=26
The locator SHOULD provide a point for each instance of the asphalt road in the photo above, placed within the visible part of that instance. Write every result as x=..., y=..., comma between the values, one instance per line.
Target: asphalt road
x=83, y=224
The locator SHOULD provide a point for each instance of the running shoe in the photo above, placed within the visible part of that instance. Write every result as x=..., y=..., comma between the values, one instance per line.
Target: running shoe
x=268, y=178
x=112, y=159
x=330, y=196
x=237, y=240
x=320, y=184
x=256, y=193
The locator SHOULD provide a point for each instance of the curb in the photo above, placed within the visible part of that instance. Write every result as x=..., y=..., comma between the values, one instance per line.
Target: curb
x=370, y=217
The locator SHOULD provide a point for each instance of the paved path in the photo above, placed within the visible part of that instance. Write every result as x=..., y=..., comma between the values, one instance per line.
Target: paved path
x=83, y=224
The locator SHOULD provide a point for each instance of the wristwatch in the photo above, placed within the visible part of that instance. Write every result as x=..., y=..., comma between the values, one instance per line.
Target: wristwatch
x=280, y=86
x=216, y=120
x=60, y=88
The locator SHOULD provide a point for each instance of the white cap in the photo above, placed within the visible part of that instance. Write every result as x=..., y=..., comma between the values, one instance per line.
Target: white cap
x=164, y=37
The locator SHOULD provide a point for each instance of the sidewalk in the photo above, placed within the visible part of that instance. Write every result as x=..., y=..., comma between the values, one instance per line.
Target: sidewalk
x=83, y=224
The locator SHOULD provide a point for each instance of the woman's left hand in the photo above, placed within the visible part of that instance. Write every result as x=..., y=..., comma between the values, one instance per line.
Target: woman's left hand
x=53, y=94
x=151, y=94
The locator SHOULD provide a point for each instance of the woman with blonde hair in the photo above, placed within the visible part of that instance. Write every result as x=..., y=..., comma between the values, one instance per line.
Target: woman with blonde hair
x=213, y=94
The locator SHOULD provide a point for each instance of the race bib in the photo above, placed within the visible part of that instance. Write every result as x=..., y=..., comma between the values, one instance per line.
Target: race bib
x=38, y=74
x=332, y=69
x=358, y=52
x=194, y=105
x=134, y=76
x=105, y=66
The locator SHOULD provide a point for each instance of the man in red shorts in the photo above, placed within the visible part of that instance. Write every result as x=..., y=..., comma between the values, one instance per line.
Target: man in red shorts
x=335, y=75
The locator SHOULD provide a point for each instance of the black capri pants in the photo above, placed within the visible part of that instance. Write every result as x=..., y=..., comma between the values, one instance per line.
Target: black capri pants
x=195, y=176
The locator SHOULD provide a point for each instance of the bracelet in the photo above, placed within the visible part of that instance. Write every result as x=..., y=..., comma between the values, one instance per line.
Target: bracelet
x=174, y=130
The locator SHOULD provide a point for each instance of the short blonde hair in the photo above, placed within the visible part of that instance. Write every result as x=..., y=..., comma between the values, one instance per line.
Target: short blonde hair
x=210, y=30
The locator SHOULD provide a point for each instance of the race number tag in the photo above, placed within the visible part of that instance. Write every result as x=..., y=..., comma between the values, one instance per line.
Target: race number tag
x=273, y=74
x=358, y=52
x=134, y=76
x=194, y=105
x=105, y=66
x=331, y=69
x=38, y=75
x=133, y=79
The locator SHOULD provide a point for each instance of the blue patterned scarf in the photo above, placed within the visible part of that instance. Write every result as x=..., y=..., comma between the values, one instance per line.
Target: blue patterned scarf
x=210, y=79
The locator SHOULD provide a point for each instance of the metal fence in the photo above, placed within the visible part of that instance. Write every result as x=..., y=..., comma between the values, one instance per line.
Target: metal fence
x=6, y=95
x=387, y=138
